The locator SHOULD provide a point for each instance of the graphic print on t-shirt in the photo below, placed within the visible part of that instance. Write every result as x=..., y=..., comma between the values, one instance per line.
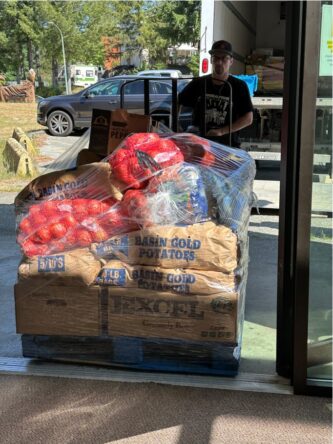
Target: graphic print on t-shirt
x=216, y=110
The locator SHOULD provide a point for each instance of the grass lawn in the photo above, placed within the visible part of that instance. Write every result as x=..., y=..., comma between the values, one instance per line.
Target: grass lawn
x=12, y=115
x=23, y=115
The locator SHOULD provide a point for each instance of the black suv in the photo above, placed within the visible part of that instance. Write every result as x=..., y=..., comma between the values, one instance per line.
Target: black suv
x=63, y=114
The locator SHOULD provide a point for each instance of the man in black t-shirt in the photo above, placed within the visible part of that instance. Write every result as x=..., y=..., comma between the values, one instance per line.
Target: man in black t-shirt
x=212, y=116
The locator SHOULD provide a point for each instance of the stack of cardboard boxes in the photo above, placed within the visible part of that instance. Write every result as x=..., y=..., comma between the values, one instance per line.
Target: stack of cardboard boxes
x=270, y=70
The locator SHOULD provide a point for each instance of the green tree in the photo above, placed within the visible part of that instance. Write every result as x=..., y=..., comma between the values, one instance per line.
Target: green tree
x=167, y=24
x=179, y=21
x=136, y=24
x=193, y=64
x=81, y=24
x=18, y=37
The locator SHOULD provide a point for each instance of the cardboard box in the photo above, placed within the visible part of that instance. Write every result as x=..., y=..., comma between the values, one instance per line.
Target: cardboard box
x=151, y=314
x=124, y=123
x=263, y=51
x=71, y=311
x=109, y=128
x=270, y=71
x=74, y=311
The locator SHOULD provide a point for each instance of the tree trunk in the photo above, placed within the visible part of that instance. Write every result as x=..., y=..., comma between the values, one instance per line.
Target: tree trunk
x=69, y=80
x=20, y=71
x=30, y=54
x=38, y=65
x=18, y=74
x=54, y=72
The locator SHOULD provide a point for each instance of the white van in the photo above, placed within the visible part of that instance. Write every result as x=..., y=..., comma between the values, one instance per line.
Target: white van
x=81, y=75
x=84, y=75
x=173, y=73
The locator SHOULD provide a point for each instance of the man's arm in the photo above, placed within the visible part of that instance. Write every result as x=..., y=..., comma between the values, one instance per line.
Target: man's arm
x=237, y=125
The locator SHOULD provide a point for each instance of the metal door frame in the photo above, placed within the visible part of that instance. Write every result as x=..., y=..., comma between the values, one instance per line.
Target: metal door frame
x=297, y=144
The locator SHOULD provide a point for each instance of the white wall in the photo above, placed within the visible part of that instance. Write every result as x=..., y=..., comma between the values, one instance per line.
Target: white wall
x=229, y=27
x=270, y=29
x=218, y=22
x=207, y=28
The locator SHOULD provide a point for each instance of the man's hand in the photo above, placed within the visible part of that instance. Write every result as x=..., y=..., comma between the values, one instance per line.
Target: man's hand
x=240, y=123
x=218, y=131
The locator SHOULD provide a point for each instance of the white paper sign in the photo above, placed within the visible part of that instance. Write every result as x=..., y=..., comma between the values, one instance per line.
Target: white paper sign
x=326, y=42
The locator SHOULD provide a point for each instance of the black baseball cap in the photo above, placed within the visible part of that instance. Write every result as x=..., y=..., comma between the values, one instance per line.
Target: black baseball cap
x=221, y=47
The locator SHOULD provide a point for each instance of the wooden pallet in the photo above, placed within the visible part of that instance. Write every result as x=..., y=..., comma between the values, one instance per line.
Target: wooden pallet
x=209, y=358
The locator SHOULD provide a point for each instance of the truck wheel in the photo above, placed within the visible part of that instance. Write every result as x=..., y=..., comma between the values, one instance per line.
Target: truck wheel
x=60, y=123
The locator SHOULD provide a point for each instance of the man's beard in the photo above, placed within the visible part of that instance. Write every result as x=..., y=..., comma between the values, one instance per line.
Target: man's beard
x=219, y=71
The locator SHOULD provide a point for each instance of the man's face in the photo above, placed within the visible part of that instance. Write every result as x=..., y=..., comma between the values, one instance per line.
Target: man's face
x=221, y=64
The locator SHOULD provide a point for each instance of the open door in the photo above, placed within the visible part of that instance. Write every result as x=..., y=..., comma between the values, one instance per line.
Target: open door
x=304, y=328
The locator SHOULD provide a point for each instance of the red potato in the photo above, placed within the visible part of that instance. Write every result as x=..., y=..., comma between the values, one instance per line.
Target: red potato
x=135, y=205
x=43, y=234
x=38, y=219
x=34, y=209
x=99, y=235
x=25, y=226
x=58, y=246
x=69, y=221
x=58, y=230
x=32, y=249
x=48, y=208
x=94, y=207
x=141, y=156
x=71, y=238
x=83, y=237
x=139, y=139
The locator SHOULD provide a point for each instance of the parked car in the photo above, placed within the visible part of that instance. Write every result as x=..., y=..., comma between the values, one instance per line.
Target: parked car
x=39, y=99
x=172, y=73
x=63, y=114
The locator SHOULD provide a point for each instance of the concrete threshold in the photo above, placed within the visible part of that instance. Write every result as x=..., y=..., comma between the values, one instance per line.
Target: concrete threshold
x=243, y=381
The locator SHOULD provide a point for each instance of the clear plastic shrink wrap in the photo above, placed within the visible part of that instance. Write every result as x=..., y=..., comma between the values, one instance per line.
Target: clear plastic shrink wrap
x=141, y=257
